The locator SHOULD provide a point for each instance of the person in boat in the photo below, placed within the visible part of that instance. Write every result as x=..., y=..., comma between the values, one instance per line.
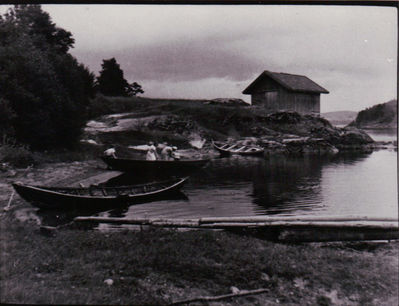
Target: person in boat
x=151, y=152
x=161, y=146
x=169, y=153
x=166, y=153
x=175, y=155
x=110, y=152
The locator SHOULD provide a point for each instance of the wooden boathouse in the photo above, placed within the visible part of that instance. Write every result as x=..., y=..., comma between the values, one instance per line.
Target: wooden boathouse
x=277, y=91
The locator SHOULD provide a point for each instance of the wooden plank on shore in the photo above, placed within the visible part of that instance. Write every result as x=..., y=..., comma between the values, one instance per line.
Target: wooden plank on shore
x=340, y=234
x=142, y=221
x=293, y=224
x=280, y=229
x=275, y=222
x=293, y=218
x=256, y=219
x=176, y=224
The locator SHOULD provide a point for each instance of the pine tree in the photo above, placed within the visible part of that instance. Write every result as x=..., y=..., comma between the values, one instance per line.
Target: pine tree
x=111, y=81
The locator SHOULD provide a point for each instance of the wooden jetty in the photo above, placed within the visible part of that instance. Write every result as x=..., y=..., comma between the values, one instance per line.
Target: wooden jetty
x=285, y=229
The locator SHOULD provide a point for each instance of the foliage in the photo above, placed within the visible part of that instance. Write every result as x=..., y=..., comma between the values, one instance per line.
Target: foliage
x=45, y=89
x=7, y=115
x=38, y=25
x=111, y=81
x=16, y=155
x=134, y=89
x=384, y=113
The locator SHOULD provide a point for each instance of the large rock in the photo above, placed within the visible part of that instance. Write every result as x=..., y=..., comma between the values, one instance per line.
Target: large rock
x=174, y=124
x=308, y=145
x=354, y=136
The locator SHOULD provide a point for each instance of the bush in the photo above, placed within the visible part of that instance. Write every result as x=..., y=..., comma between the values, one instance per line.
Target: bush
x=17, y=155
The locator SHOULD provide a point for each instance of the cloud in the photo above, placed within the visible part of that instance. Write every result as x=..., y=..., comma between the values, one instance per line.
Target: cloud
x=210, y=51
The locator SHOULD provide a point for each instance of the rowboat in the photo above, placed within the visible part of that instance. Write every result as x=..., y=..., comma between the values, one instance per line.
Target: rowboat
x=228, y=148
x=171, y=167
x=96, y=196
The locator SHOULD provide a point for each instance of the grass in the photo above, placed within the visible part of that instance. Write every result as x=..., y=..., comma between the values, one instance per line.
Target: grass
x=157, y=267
x=20, y=156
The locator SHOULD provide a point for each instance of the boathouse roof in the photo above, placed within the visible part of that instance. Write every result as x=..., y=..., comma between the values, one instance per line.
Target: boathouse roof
x=292, y=82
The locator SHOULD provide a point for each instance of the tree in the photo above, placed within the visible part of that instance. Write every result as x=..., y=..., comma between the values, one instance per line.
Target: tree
x=39, y=26
x=111, y=81
x=42, y=85
x=135, y=89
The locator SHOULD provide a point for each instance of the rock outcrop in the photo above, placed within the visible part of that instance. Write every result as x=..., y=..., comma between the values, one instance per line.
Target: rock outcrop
x=280, y=132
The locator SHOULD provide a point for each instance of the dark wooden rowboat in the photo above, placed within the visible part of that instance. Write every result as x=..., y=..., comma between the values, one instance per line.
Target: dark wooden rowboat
x=227, y=149
x=171, y=167
x=95, y=197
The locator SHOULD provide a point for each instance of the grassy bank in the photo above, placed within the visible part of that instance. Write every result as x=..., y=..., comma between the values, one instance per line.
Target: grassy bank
x=159, y=267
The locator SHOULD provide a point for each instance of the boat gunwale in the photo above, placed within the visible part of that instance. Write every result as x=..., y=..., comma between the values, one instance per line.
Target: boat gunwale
x=42, y=189
x=183, y=161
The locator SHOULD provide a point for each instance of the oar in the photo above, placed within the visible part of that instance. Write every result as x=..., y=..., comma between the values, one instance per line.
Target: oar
x=9, y=201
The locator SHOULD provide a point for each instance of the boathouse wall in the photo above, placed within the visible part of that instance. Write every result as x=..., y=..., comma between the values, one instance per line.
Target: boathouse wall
x=273, y=97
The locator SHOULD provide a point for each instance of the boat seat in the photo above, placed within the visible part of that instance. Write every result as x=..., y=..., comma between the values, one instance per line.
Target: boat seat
x=104, y=192
x=91, y=189
x=229, y=148
x=240, y=149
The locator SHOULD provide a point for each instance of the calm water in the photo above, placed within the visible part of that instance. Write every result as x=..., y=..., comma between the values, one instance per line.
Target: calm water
x=383, y=134
x=343, y=184
x=362, y=184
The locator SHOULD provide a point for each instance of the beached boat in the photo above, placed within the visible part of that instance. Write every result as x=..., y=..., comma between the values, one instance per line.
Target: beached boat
x=228, y=148
x=94, y=197
x=171, y=167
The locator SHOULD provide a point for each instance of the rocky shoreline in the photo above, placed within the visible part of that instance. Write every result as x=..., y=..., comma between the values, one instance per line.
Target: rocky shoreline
x=282, y=132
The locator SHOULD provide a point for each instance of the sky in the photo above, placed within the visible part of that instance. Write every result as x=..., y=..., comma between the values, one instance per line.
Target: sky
x=216, y=51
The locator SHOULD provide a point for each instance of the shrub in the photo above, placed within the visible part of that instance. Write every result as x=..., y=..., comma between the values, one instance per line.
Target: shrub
x=17, y=155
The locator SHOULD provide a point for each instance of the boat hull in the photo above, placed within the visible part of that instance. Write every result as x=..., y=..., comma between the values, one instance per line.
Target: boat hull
x=48, y=199
x=152, y=168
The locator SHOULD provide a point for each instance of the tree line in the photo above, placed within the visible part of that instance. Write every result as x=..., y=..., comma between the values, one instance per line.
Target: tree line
x=45, y=93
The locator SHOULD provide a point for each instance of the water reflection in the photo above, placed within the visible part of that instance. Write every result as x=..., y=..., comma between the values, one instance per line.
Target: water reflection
x=280, y=183
x=58, y=217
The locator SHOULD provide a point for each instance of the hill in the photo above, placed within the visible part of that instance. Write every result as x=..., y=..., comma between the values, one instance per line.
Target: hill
x=340, y=117
x=379, y=116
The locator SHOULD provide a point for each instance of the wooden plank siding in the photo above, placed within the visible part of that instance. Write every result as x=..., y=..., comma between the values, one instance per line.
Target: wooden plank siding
x=283, y=100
